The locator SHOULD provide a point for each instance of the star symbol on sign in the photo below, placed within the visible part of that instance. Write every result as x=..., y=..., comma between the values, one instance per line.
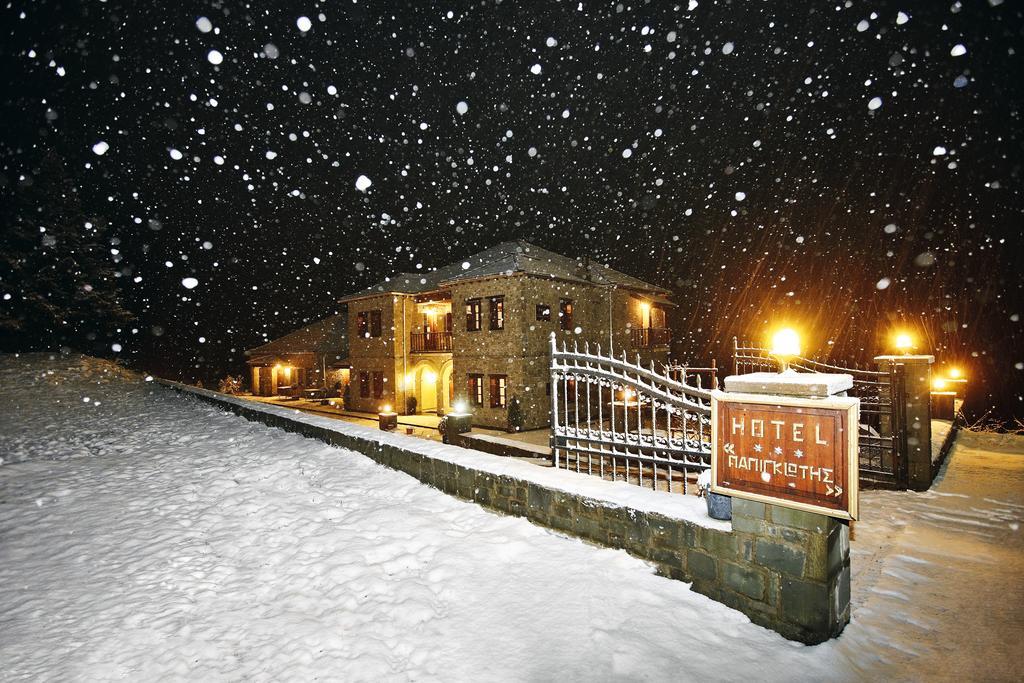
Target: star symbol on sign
x=778, y=450
x=757, y=447
x=798, y=453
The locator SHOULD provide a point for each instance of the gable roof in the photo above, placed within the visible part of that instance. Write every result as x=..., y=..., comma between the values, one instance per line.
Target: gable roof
x=517, y=256
x=323, y=337
x=522, y=257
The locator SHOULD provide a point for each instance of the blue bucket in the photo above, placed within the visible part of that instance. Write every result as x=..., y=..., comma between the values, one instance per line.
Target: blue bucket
x=719, y=506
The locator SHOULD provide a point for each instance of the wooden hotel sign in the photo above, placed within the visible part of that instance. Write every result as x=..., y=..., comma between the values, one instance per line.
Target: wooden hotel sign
x=794, y=452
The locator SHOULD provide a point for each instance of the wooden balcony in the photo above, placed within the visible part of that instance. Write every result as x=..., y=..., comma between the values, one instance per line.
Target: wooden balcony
x=430, y=342
x=651, y=337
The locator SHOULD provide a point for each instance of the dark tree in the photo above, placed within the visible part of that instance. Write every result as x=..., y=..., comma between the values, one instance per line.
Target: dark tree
x=58, y=282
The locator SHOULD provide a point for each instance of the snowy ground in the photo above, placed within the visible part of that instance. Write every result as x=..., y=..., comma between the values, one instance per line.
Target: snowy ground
x=143, y=535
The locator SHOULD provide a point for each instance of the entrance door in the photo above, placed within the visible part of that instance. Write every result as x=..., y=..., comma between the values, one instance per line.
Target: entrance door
x=426, y=381
x=266, y=381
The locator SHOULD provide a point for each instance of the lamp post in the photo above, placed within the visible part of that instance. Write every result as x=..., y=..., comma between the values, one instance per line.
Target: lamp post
x=387, y=419
x=904, y=343
x=785, y=345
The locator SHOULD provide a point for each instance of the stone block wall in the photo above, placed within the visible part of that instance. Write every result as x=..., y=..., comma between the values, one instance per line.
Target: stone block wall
x=787, y=570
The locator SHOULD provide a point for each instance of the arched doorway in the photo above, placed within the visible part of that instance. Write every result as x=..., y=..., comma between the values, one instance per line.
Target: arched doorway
x=426, y=388
x=447, y=389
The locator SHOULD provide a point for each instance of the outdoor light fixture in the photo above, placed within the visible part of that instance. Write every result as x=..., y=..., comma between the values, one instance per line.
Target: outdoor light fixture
x=904, y=342
x=386, y=408
x=954, y=373
x=429, y=376
x=785, y=345
x=938, y=384
x=460, y=406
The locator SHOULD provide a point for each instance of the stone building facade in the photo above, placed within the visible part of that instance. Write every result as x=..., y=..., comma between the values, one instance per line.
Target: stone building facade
x=478, y=332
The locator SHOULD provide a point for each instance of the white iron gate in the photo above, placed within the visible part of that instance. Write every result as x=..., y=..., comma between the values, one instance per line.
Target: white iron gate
x=621, y=421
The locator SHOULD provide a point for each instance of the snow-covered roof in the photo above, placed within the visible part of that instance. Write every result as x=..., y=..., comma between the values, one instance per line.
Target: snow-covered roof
x=509, y=258
x=325, y=336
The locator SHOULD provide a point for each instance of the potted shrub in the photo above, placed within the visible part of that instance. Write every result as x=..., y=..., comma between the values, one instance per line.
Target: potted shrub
x=515, y=415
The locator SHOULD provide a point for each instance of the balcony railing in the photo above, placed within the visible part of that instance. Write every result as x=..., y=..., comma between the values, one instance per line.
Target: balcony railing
x=649, y=337
x=431, y=342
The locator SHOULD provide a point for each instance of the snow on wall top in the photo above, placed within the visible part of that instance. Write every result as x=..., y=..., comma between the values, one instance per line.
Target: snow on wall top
x=616, y=494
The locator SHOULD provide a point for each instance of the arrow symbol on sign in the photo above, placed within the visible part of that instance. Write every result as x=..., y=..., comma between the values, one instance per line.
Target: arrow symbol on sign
x=730, y=449
x=828, y=489
x=839, y=491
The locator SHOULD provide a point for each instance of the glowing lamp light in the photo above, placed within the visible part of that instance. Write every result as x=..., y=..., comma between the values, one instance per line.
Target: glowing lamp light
x=386, y=408
x=938, y=384
x=955, y=373
x=460, y=406
x=429, y=376
x=904, y=342
x=628, y=395
x=785, y=345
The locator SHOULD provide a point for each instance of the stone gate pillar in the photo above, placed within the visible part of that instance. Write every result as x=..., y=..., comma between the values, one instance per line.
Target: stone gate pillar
x=917, y=416
x=807, y=553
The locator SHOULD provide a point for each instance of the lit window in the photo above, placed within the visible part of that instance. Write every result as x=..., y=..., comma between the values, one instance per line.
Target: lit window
x=565, y=314
x=473, y=315
x=497, y=312
x=476, y=389
x=497, y=391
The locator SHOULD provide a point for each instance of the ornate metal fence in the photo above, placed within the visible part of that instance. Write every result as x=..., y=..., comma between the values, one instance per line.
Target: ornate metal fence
x=882, y=437
x=618, y=420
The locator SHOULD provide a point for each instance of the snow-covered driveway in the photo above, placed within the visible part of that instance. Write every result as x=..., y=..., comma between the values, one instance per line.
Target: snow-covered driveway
x=145, y=536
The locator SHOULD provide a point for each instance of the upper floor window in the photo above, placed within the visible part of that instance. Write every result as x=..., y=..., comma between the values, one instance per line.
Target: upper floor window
x=565, y=310
x=497, y=390
x=364, y=384
x=368, y=324
x=543, y=312
x=473, y=315
x=476, y=389
x=497, y=312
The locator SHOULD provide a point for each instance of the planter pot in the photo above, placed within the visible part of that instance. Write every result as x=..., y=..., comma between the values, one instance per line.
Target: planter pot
x=719, y=506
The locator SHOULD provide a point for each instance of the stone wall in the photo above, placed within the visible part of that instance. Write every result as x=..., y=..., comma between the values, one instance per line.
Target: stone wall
x=787, y=570
x=521, y=350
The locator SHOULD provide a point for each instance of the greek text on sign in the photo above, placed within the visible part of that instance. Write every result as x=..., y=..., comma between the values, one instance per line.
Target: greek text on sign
x=794, y=452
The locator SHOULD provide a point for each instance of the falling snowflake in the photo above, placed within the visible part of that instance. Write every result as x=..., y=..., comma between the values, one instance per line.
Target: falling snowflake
x=100, y=148
x=214, y=57
x=189, y=283
x=304, y=24
x=363, y=183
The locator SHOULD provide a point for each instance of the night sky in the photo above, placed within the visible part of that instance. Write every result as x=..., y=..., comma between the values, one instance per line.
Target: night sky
x=845, y=167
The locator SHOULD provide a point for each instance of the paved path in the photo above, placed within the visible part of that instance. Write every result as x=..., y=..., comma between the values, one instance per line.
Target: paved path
x=938, y=577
